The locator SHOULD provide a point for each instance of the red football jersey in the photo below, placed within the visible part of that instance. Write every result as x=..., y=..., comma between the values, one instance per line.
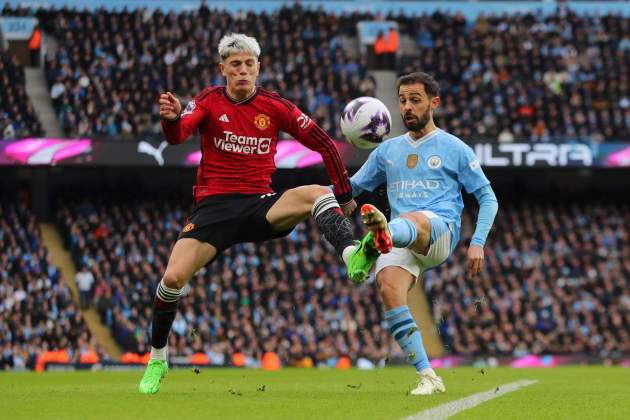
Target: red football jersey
x=238, y=142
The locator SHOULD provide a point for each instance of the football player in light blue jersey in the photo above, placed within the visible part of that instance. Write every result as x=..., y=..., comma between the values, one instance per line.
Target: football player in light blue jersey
x=425, y=171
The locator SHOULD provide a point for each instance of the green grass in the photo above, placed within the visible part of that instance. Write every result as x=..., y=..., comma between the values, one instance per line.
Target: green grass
x=569, y=392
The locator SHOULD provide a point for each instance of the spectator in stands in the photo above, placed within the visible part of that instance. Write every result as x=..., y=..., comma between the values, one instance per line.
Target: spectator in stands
x=34, y=46
x=391, y=48
x=84, y=280
x=380, y=50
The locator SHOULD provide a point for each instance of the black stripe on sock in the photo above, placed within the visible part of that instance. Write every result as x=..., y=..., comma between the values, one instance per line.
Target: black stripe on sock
x=400, y=324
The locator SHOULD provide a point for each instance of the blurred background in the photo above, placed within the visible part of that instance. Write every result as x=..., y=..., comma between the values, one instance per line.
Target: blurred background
x=92, y=198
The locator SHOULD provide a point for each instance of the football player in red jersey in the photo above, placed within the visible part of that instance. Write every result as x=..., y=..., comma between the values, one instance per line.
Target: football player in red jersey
x=239, y=124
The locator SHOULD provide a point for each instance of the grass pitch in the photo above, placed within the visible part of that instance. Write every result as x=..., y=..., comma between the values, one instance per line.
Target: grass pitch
x=561, y=393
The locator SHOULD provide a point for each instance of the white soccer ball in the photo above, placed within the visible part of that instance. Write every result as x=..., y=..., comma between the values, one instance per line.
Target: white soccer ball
x=365, y=121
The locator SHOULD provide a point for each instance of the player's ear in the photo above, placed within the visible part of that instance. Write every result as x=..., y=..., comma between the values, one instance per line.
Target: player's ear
x=222, y=68
x=435, y=102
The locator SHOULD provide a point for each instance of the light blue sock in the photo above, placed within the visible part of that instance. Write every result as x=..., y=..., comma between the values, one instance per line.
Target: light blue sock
x=404, y=232
x=406, y=332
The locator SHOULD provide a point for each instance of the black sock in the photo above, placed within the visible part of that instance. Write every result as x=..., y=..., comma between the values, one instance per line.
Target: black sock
x=331, y=222
x=164, y=310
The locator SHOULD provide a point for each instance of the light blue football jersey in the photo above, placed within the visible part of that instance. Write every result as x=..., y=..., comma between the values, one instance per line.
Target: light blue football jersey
x=423, y=174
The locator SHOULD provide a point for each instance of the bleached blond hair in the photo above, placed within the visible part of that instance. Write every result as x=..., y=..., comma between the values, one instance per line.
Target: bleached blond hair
x=238, y=43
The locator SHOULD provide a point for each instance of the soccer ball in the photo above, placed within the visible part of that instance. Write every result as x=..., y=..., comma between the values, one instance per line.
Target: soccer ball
x=365, y=121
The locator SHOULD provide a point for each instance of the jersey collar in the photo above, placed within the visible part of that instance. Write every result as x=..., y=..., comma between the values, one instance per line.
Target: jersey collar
x=242, y=101
x=421, y=140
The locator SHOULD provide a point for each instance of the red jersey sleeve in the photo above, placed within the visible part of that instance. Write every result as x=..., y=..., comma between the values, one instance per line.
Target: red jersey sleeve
x=189, y=120
x=307, y=132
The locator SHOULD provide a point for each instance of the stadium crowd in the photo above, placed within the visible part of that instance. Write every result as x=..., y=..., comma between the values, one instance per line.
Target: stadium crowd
x=527, y=77
x=17, y=116
x=110, y=65
x=289, y=296
x=557, y=281
x=510, y=77
x=37, y=314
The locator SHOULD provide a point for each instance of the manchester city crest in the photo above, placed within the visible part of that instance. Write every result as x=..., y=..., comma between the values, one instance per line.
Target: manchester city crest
x=434, y=162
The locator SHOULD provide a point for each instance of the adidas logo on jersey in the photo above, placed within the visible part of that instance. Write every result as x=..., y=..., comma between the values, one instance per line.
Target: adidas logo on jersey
x=224, y=118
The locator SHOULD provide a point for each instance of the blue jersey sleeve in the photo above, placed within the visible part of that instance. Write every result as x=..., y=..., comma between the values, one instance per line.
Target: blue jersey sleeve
x=470, y=174
x=488, y=207
x=371, y=174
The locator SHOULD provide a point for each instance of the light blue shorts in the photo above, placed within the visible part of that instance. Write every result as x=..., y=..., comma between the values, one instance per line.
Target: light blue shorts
x=441, y=246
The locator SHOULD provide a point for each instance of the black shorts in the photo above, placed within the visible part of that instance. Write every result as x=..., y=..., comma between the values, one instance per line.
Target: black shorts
x=227, y=219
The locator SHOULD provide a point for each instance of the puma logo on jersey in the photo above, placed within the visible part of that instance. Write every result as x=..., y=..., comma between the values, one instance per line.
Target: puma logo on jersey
x=224, y=118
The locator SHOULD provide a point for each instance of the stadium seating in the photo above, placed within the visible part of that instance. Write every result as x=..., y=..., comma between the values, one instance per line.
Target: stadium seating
x=566, y=80
x=289, y=296
x=38, y=321
x=557, y=281
x=527, y=77
x=110, y=67
x=17, y=116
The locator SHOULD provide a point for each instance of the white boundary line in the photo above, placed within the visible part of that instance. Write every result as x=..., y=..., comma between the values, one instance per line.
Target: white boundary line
x=451, y=408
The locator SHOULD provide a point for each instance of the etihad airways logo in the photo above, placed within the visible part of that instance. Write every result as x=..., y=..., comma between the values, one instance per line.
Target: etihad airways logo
x=231, y=142
x=413, y=188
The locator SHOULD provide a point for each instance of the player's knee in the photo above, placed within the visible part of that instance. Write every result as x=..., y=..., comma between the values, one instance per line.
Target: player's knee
x=423, y=226
x=174, y=279
x=316, y=191
x=389, y=290
x=307, y=195
x=421, y=220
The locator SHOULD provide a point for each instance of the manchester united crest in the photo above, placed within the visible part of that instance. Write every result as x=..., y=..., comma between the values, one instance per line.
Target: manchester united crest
x=412, y=161
x=262, y=121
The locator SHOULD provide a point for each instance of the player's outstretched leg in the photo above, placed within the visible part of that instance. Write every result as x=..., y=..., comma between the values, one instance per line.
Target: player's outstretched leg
x=407, y=334
x=394, y=282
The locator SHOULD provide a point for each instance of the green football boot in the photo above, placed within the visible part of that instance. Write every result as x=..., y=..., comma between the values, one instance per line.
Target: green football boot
x=362, y=259
x=156, y=371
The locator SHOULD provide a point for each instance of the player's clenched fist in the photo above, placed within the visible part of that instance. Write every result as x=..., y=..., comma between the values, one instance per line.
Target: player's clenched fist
x=170, y=107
